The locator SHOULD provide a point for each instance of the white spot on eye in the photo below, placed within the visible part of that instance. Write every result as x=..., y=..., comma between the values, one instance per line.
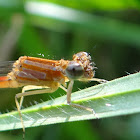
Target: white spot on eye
x=85, y=53
x=108, y=104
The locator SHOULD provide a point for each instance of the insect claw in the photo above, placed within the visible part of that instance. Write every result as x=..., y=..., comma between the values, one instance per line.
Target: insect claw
x=103, y=81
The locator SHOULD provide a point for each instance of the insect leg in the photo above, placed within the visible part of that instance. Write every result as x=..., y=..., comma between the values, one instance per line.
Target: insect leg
x=21, y=95
x=69, y=91
x=28, y=88
x=98, y=80
x=62, y=87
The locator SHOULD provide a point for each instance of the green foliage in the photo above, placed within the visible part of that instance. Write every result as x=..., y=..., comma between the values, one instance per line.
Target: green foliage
x=54, y=29
x=110, y=99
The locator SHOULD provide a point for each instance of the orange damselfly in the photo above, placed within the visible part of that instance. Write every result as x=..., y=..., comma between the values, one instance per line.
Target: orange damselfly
x=48, y=75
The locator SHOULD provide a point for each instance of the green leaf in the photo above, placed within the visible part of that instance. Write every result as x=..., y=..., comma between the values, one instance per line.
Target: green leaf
x=96, y=4
x=63, y=19
x=117, y=97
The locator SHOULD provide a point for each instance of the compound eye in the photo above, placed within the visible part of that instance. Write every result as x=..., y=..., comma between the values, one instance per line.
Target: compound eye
x=74, y=70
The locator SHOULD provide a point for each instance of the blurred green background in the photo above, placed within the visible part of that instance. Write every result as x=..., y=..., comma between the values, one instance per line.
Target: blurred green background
x=108, y=30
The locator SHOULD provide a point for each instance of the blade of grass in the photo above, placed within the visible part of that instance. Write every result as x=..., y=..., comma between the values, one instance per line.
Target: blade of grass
x=63, y=19
x=117, y=97
x=97, y=4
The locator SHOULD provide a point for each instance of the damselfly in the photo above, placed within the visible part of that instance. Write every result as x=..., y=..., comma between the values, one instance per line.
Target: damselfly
x=46, y=76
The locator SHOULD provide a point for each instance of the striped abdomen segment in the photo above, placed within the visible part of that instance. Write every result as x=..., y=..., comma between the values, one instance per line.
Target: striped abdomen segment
x=36, y=69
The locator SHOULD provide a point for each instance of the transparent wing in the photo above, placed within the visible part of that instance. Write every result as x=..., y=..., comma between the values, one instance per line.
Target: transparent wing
x=5, y=67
